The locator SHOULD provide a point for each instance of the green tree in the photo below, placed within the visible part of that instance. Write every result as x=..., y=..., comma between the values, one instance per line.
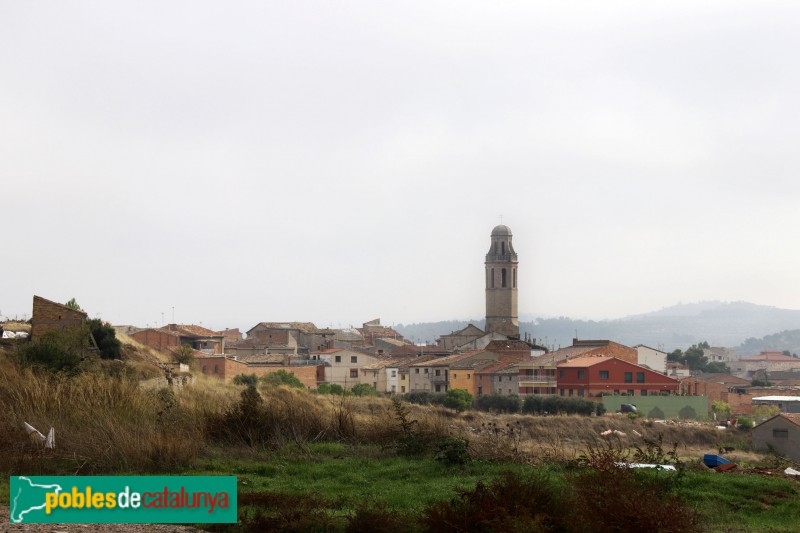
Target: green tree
x=72, y=304
x=184, y=355
x=246, y=379
x=458, y=399
x=106, y=338
x=723, y=409
x=282, y=377
x=363, y=389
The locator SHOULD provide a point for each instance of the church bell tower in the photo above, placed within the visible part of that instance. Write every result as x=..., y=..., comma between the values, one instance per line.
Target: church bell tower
x=501, y=284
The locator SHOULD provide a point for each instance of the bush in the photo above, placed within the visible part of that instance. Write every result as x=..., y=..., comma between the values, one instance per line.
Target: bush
x=282, y=377
x=363, y=389
x=106, y=338
x=59, y=350
x=458, y=399
x=424, y=397
x=744, y=423
x=511, y=503
x=250, y=380
x=328, y=388
x=183, y=355
x=452, y=451
x=553, y=405
x=499, y=403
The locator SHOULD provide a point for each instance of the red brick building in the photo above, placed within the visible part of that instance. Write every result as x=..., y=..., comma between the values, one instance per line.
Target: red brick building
x=226, y=368
x=593, y=376
x=48, y=316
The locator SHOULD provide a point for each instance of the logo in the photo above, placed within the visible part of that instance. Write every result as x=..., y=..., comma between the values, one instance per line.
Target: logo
x=123, y=499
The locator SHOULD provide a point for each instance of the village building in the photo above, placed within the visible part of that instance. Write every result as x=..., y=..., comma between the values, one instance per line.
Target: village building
x=226, y=368
x=499, y=378
x=342, y=367
x=781, y=434
x=596, y=376
x=719, y=387
x=48, y=316
x=501, y=265
x=770, y=361
x=651, y=358
x=294, y=338
x=376, y=374
x=174, y=335
x=719, y=354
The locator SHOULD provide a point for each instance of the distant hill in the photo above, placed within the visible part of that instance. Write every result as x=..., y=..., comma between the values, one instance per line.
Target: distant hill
x=679, y=326
x=785, y=340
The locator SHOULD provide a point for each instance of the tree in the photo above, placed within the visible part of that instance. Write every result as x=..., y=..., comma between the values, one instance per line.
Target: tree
x=72, y=304
x=363, y=389
x=183, y=355
x=723, y=409
x=282, y=377
x=106, y=338
x=458, y=399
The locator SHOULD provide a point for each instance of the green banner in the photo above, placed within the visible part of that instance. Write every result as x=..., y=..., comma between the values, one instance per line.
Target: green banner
x=122, y=499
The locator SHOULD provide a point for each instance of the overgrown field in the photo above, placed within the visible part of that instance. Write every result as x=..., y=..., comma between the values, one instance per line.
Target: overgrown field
x=334, y=463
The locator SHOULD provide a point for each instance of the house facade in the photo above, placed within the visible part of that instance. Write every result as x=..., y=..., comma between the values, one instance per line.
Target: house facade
x=343, y=367
x=596, y=376
x=780, y=433
x=651, y=358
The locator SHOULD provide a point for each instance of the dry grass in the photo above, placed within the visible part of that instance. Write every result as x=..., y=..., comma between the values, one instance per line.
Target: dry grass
x=16, y=326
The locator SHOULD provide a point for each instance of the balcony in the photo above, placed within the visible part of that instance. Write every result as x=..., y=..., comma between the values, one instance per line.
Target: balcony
x=438, y=379
x=537, y=381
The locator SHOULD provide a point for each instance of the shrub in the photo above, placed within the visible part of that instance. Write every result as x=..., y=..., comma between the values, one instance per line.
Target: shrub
x=282, y=377
x=424, y=397
x=656, y=412
x=183, y=355
x=458, y=399
x=328, y=388
x=511, y=503
x=59, y=350
x=251, y=380
x=499, y=403
x=687, y=412
x=452, y=451
x=363, y=389
x=744, y=423
x=106, y=338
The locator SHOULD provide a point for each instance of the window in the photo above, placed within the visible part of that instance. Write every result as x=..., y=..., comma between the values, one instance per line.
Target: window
x=561, y=373
x=438, y=388
x=338, y=359
x=480, y=391
x=644, y=392
x=561, y=391
x=503, y=248
x=604, y=374
x=580, y=375
x=416, y=370
x=354, y=359
x=640, y=377
x=455, y=376
x=467, y=376
x=438, y=372
x=628, y=377
x=394, y=373
x=216, y=369
x=493, y=278
x=780, y=433
x=426, y=370
x=503, y=278
x=515, y=278
x=630, y=392
x=616, y=392
x=580, y=392
x=402, y=388
x=353, y=372
x=570, y=392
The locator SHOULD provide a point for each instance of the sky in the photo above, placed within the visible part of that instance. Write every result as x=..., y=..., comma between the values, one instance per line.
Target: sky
x=227, y=163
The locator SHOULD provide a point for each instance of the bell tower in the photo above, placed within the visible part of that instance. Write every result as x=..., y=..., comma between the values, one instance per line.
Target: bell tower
x=501, y=284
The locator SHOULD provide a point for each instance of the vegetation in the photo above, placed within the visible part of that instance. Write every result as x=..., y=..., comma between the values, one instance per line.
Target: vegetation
x=499, y=403
x=72, y=304
x=59, y=350
x=249, y=380
x=282, y=377
x=106, y=338
x=457, y=399
x=328, y=388
x=184, y=355
x=363, y=389
x=694, y=358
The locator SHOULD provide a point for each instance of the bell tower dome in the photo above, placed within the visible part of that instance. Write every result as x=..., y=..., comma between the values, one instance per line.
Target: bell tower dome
x=501, y=284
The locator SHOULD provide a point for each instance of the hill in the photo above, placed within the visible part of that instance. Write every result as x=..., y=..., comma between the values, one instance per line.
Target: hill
x=678, y=326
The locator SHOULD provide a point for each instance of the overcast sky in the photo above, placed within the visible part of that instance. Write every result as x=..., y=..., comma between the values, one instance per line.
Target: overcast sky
x=337, y=162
